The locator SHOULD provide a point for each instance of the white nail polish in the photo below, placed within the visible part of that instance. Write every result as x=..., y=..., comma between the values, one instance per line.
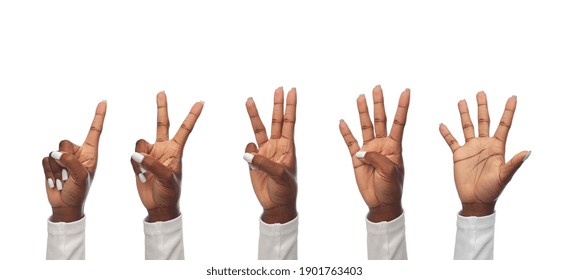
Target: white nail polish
x=137, y=157
x=142, y=170
x=50, y=183
x=64, y=175
x=361, y=154
x=56, y=155
x=142, y=178
x=248, y=157
x=527, y=156
x=202, y=102
x=59, y=184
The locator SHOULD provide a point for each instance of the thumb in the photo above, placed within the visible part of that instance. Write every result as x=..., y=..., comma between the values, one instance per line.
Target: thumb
x=76, y=170
x=375, y=159
x=147, y=162
x=508, y=170
x=275, y=170
x=249, y=151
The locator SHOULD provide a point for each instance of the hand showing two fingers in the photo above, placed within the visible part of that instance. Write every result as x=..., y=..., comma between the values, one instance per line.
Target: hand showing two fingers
x=158, y=166
x=70, y=170
x=378, y=164
x=480, y=170
x=273, y=162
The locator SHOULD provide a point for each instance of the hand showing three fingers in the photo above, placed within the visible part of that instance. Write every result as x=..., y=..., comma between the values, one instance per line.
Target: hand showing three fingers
x=378, y=164
x=158, y=166
x=70, y=171
x=273, y=163
x=480, y=170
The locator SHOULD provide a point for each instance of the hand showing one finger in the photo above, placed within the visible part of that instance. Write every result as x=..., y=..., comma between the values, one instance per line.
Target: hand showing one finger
x=70, y=171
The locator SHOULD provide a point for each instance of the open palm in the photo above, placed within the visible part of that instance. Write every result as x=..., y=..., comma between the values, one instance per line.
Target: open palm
x=480, y=170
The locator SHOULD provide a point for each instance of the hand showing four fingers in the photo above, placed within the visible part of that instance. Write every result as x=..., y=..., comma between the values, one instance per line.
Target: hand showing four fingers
x=378, y=164
x=273, y=162
x=70, y=171
x=480, y=170
x=158, y=166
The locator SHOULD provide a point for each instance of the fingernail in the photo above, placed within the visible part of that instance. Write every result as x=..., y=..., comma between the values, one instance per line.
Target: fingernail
x=50, y=183
x=137, y=157
x=59, y=184
x=361, y=154
x=252, y=167
x=527, y=156
x=249, y=98
x=248, y=157
x=142, y=170
x=202, y=102
x=104, y=101
x=362, y=95
x=56, y=155
x=64, y=175
x=342, y=120
x=515, y=96
x=142, y=178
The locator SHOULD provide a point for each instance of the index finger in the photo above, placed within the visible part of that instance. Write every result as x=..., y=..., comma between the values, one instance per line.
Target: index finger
x=400, y=116
x=188, y=125
x=97, y=125
x=290, y=115
x=162, y=123
x=507, y=118
x=256, y=123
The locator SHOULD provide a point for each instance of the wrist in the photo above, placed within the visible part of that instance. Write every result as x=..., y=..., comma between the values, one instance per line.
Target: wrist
x=279, y=214
x=163, y=214
x=477, y=209
x=384, y=213
x=66, y=214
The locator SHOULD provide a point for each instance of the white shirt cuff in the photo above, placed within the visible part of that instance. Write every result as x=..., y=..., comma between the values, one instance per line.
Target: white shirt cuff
x=278, y=241
x=66, y=241
x=386, y=240
x=164, y=240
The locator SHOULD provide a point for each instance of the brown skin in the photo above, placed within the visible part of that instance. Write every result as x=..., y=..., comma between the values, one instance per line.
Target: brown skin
x=380, y=173
x=480, y=170
x=80, y=162
x=274, y=179
x=160, y=194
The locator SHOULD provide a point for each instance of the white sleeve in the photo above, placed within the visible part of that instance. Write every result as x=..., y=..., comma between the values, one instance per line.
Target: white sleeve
x=474, y=238
x=386, y=240
x=164, y=240
x=66, y=241
x=278, y=241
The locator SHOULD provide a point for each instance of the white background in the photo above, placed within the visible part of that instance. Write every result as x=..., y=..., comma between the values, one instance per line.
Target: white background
x=59, y=58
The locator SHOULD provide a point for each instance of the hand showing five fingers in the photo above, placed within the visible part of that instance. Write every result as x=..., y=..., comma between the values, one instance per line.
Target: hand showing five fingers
x=378, y=164
x=158, y=166
x=273, y=163
x=70, y=171
x=480, y=170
